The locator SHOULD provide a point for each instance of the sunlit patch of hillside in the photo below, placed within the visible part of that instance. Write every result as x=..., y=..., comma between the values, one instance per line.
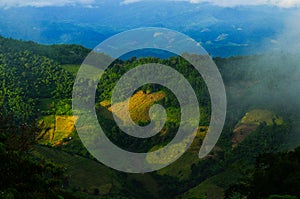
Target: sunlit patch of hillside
x=56, y=129
x=139, y=106
x=251, y=121
x=257, y=116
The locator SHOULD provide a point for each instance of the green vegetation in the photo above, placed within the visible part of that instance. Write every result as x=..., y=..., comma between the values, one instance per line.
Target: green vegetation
x=251, y=121
x=43, y=156
x=83, y=173
x=207, y=189
x=62, y=54
x=274, y=176
x=23, y=175
x=71, y=68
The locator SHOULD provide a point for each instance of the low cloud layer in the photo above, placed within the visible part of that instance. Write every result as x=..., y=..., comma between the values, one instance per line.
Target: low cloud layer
x=288, y=40
x=232, y=3
x=43, y=3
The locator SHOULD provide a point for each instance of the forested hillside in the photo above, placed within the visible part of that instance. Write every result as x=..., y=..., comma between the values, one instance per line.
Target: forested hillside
x=43, y=156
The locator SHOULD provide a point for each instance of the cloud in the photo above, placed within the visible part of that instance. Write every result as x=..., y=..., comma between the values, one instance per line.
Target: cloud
x=287, y=40
x=125, y=2
x=221, y=37
x=43, y=3
x=233, y=3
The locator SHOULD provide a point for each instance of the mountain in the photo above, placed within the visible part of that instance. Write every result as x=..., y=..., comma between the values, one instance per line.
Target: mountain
x=222, y=31
x=43, y=156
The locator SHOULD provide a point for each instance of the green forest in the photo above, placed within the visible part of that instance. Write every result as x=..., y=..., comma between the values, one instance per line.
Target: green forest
x=257, y=155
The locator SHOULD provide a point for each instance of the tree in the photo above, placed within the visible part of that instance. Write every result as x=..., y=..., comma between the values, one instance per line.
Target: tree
x=22, y=175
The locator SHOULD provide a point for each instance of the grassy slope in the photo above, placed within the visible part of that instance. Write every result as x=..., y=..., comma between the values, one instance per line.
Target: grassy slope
x=83, y=172
x=89, y=174
x=251, y=121
x=212, y=188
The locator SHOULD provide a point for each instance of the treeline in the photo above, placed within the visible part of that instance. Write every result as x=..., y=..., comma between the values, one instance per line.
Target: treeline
x=30, y=72
x=61, y=53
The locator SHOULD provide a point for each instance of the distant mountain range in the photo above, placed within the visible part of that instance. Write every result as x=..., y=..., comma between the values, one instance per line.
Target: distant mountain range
x=222, y=31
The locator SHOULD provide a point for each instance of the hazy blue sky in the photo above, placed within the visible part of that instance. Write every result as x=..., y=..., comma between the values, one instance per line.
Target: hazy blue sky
x=229, y=3
x=280, y=3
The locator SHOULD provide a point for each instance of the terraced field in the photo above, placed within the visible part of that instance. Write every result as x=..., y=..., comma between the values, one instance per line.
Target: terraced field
x=139, y=105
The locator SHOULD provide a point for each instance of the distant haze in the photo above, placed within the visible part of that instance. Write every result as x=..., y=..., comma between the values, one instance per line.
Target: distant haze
x=222, y=31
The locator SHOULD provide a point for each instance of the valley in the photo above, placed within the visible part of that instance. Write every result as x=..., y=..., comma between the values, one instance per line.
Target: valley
x=36, y=89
